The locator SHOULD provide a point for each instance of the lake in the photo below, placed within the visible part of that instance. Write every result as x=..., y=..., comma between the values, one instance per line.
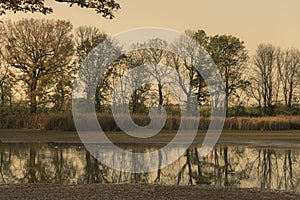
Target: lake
x=230, y=166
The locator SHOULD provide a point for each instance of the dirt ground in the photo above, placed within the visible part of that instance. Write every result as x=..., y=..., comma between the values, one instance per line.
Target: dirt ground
x=131, y=191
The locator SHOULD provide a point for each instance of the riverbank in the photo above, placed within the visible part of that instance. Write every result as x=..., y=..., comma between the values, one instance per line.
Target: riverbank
x=134, y=191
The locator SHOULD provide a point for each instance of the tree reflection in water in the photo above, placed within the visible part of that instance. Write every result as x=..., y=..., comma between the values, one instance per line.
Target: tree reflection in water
x=233, y=166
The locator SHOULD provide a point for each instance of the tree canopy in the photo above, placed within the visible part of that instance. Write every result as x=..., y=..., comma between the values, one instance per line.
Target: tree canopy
x=104, y=7
x=38, y=50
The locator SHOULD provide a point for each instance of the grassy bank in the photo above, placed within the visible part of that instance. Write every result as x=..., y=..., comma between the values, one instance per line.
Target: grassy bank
x=64, y=122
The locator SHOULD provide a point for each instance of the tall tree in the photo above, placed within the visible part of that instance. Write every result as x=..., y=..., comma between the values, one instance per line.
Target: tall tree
x=38, y=49
x=230, y=55
x=104, y=7
x=203, y=40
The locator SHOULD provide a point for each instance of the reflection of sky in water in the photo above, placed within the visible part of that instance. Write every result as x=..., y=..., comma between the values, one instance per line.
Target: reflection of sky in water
x=225, y=166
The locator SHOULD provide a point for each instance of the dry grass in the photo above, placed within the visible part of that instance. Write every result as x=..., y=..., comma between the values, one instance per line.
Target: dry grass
x=62, y=122
x=65, y=122
x=23, y=121
x=263, y=123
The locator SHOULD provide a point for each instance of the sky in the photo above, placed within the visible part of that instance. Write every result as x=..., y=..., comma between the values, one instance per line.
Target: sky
x=254, y=22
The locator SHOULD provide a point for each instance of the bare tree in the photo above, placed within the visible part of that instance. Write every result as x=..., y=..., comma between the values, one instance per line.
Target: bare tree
x=255, y=91
x=86, y=39
x=155, y=55
x=288, y=63
x=188, y=76
x=95, y=74
x=266, y=74
x=38, y=49
x=138, y=80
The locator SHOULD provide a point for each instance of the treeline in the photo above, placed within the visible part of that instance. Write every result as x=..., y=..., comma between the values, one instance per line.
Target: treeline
x=40, y=59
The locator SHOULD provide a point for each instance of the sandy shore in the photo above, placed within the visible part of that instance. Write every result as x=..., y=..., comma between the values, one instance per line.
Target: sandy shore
x=291, y=137
x=130, y=191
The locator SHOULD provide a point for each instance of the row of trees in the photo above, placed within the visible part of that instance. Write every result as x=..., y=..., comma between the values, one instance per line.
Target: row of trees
x=40, y=58
x=275, y=78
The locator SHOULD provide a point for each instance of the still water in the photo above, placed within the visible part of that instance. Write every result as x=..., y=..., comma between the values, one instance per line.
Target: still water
x=230, y=166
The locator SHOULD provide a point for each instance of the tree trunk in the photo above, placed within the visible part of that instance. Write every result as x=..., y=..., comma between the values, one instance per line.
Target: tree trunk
x=188, y=103
x=134, y=102
x=2, y=102
x=160, y=97
x=188, y=160
x=97, y=99
x=226, y=167
x=289, y=105
x=32, y=166
x=33, y=95
x=62, y=98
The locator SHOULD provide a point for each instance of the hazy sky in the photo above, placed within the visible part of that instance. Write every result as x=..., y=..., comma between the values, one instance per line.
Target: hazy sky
x=253, y=21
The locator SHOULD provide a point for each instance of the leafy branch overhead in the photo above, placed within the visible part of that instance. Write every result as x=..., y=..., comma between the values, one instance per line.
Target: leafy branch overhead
x=104, y=7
